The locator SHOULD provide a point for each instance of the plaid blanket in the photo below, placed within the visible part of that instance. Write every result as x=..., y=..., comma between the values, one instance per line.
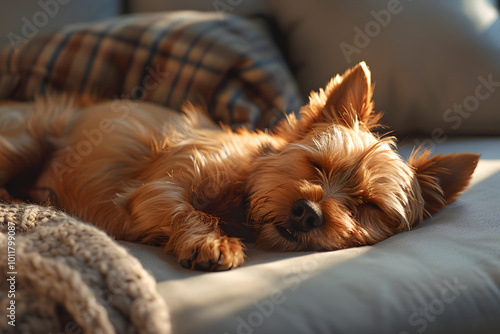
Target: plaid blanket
x=228, y=65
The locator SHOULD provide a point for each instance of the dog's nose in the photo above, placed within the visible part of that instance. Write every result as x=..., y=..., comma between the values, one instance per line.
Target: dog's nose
x=305, y=216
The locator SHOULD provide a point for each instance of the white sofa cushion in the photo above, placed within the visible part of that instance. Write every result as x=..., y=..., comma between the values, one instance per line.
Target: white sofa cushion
x=443, y=277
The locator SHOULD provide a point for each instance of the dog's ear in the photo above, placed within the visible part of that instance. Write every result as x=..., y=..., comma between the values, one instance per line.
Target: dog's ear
x=346, y=100
x=442, y=178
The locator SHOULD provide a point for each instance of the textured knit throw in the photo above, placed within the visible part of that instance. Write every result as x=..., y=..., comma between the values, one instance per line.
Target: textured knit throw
x=66, y=276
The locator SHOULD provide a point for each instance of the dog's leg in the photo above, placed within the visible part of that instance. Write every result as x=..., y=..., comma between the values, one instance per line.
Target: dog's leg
x=162, y=211
x=5, y=196
x=21, y=152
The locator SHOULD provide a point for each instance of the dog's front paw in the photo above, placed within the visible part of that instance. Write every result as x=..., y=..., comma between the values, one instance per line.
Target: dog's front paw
x=213, y=253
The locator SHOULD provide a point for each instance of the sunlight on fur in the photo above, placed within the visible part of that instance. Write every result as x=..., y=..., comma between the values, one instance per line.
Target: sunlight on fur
x=322, y=181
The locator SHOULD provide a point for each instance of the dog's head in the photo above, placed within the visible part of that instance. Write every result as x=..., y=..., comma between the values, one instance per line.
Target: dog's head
x=337, y=184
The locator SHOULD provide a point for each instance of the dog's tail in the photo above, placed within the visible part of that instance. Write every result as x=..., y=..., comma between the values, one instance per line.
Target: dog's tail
x=28, y=132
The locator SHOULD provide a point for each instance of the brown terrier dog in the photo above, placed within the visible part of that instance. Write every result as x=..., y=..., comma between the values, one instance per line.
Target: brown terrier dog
x=321, y=182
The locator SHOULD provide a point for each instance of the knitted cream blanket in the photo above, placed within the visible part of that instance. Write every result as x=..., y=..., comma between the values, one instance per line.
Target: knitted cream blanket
x=61, y=275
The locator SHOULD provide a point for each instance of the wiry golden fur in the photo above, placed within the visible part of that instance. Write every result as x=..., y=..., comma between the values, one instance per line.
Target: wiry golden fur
x=323, y=181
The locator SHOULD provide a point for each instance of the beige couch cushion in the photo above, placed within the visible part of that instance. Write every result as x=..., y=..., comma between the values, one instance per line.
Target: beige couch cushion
x=443, y=277
x=436, y=63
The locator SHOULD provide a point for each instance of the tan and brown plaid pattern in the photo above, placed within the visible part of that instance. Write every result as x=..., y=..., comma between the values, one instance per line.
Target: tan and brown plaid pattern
x=228, y=65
